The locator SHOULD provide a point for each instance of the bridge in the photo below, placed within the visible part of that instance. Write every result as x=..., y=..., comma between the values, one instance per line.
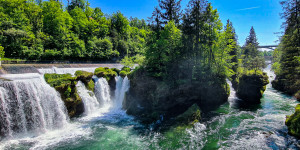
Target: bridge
x=270, y=47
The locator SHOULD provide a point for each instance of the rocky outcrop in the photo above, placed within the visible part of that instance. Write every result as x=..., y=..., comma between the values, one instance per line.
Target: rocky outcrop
x=149, y=98
x=251, y=87
x=65, y=84
x=86, y=78
x=287, y=86
x=293, y=123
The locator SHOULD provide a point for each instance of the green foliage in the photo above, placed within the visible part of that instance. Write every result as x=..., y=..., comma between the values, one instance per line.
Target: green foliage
x=46, y=31
x=257, y=63
x=127, y=61
x=65, y=84
x=2, y=52
x=293, y=122
x=286, y=56
x=105, y=73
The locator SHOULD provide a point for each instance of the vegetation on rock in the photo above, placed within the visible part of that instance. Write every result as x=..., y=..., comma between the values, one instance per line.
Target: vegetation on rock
x=65, y=84
x=86, y=78
x=293, y=123
x=251, y=87
x=106, y=73
x=125, y=71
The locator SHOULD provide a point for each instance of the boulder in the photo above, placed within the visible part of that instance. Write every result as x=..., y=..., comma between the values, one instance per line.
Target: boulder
x=251, y=87
x=150, y=98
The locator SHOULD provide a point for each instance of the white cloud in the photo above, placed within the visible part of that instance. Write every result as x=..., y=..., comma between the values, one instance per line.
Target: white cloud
x=248, y=8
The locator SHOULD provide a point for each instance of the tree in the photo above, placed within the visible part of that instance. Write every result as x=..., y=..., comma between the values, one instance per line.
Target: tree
x=57, y=25
x=251, y=45
x=156, y=21
x=2, y=52
x=170, y=10
x=163, y=54
x=76, y=3
x=257, y=63
x=120, y=23
x=232, y=44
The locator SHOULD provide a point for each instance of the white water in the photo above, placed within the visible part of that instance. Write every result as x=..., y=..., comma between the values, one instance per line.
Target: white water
x=28, y=105
x=91, y=104
x=65, y=70
x=122, y=87
x=33, y=115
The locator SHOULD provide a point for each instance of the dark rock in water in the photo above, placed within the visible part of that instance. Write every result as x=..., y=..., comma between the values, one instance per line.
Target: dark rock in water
x=293, y=123
x=148, y=98
x=192, y=115
x=112, y=85
x=251, y=87
x=287, y=86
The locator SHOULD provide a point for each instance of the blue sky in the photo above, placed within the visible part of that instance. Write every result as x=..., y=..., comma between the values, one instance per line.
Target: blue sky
x=262, y=14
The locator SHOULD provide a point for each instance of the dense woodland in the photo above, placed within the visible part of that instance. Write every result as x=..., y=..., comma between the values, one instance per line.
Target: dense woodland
x=287, y=55
x=48, y=30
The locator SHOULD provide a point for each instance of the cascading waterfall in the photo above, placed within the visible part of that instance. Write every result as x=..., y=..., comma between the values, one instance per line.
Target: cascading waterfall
x=102, y=92
x=29, y=105
x=90, y=102
x=122, y=87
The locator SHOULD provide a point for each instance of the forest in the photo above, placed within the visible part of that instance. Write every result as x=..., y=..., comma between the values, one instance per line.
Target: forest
x=48, y=30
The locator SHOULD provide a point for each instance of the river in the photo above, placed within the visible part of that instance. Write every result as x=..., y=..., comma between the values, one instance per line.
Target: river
x=107, y=126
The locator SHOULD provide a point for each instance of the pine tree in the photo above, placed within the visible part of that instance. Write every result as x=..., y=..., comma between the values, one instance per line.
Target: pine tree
x=232, y=43
x=170, y=10
x=251, y=45
x=288, y=77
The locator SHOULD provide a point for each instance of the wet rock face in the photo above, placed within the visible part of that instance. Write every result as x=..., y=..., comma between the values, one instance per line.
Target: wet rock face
x=149, y=98
x=287, y=86
x=252, y=87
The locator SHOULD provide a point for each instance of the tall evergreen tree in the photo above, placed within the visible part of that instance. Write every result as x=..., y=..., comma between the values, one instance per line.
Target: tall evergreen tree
x=287, y=78
x=170, y=10
x=232, y=43
x=251, y=45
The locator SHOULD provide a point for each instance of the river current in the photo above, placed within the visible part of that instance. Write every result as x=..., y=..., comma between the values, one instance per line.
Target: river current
x=106, y=126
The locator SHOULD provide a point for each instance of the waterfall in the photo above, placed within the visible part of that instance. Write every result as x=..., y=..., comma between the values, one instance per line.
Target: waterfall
x=121, y=88
x=29, y=105
x=89, y=100
x=232, y=95
x=102, y=92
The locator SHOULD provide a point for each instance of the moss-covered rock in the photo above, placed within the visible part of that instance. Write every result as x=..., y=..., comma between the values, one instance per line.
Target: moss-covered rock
x=116, y=70
x=106, y=73
x=150, y=98
x=86, y=78
x=191, y=116
x=293, y=123
x=65, y=84
x=286, y=86
x=124, y=72
x=252, y=86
